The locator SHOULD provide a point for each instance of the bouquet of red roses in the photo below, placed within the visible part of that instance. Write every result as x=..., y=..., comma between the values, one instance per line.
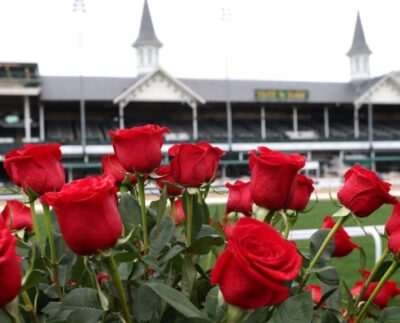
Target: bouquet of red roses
x=97, y=251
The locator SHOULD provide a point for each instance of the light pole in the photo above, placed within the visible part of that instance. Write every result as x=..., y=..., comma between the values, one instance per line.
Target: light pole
x=79, y=9
x=226, y=17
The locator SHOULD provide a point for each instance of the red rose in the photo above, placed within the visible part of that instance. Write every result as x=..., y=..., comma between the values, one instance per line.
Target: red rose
x=10, y=270
x=303, y=190
x=316, y=293
x=272, y=182
x=165, y=179
x=193, y=165
x=179, y=214
x=37, y=167
x=111, y=166
x=252, y=270
x=17, y=215
x=138, y=149
x=393, y=223
x=239, y=199
x=388, y=291
x=87, y=212
x=363, y=192
x=343, y=243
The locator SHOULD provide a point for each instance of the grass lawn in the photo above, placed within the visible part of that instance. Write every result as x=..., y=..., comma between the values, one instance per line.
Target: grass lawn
x=348, y=266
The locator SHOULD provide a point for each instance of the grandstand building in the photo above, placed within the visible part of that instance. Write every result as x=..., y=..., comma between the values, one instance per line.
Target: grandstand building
x=331, y=123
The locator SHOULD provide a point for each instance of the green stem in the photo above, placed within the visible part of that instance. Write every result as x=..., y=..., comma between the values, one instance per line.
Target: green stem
x=324, y=244
x=53, y=255
x=376, y=291
x=36, y=225
x=370, y=278
x=234, y=314
x=29, y=306
x=142, y=201
x=269, y=216
x=288, y=227
x=189, y=219
x=113, y=271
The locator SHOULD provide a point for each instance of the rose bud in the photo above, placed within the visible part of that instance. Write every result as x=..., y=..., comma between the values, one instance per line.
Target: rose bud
x=166, y=178
x=138, y=149
x=393, y=223
x=178, y=214
x=102, y=277
x=253, y=269
x=87, y=212
x=17, y=215
x=193, y=165
x=273, y=178
x=111, y=166
x=394, y=243
x=303, y=190
x=239, y=199
x=37, y=167
x=363, y=192
x=228, y=230
x=343, y=243
x=389, y=290
x=316, y=293
x=10, y=270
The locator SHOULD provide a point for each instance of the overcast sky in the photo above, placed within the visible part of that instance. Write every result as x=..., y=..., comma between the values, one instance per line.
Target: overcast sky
x=265, y=39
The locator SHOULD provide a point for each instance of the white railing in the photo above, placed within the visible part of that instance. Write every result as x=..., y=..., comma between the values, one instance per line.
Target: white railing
x=373, y=231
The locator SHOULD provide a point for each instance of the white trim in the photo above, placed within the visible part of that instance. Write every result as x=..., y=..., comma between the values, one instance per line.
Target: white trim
x=124, y=96
x=23, y=91
x=368, y=94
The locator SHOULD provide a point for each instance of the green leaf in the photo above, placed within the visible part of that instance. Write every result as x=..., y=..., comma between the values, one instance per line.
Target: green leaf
x=178, y=301
x=341, y=212
x=316, y=241
x=130, y=212
x=171, y=253
x=161, y=235
x=258, y=315
x=79, y=306
x=389, y=315
x=329, y=317
x=151, y=263
x=332, y=295
x=146, y=303
x=296, y=309
x=189, y=274
x=211, y=303
x=203, y=245
x=327, y=275
x=327, y=294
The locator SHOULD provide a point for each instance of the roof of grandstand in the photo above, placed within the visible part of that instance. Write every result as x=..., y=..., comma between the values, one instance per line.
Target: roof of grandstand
x=60, y=88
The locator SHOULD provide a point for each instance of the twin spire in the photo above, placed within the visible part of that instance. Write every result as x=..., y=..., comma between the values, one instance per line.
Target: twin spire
x=359, y=54
x=147, y=46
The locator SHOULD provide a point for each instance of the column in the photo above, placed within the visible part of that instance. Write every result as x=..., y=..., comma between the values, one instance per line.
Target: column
x=194, y=120
x=263, y=127
x=356, y=123
x=370, y=125
x=27, y=119
x=326, y=122
x=295, y=122
x=42, y=136
x=121, y=115
x=229, y=123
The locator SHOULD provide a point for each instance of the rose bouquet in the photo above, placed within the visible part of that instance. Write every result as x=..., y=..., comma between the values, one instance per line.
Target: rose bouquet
x=96, y=251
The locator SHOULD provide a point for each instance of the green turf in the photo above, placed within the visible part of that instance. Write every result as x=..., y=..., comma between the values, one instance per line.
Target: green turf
x=347, y=266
